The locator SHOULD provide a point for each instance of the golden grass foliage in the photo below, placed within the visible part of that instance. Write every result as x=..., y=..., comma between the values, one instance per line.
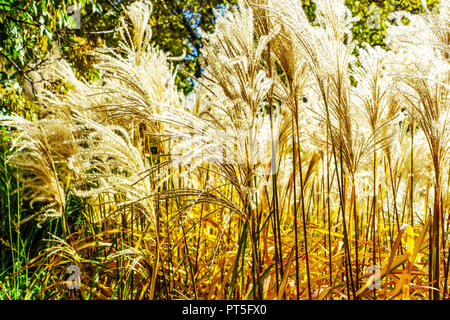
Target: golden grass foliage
x=277, y=179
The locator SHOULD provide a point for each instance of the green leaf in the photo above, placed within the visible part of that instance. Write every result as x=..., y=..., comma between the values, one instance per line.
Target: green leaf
x=35, y=9
x=97, y=7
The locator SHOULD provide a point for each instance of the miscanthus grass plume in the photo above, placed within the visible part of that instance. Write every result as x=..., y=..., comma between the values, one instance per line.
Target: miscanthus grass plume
x=297, y=169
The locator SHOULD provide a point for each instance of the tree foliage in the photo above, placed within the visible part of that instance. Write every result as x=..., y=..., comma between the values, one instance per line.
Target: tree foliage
x=28, y=30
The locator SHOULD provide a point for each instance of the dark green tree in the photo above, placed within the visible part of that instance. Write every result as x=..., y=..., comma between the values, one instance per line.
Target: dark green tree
x=29, y=28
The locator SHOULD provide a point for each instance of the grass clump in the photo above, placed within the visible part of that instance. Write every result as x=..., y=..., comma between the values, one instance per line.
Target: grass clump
x=294, y=172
